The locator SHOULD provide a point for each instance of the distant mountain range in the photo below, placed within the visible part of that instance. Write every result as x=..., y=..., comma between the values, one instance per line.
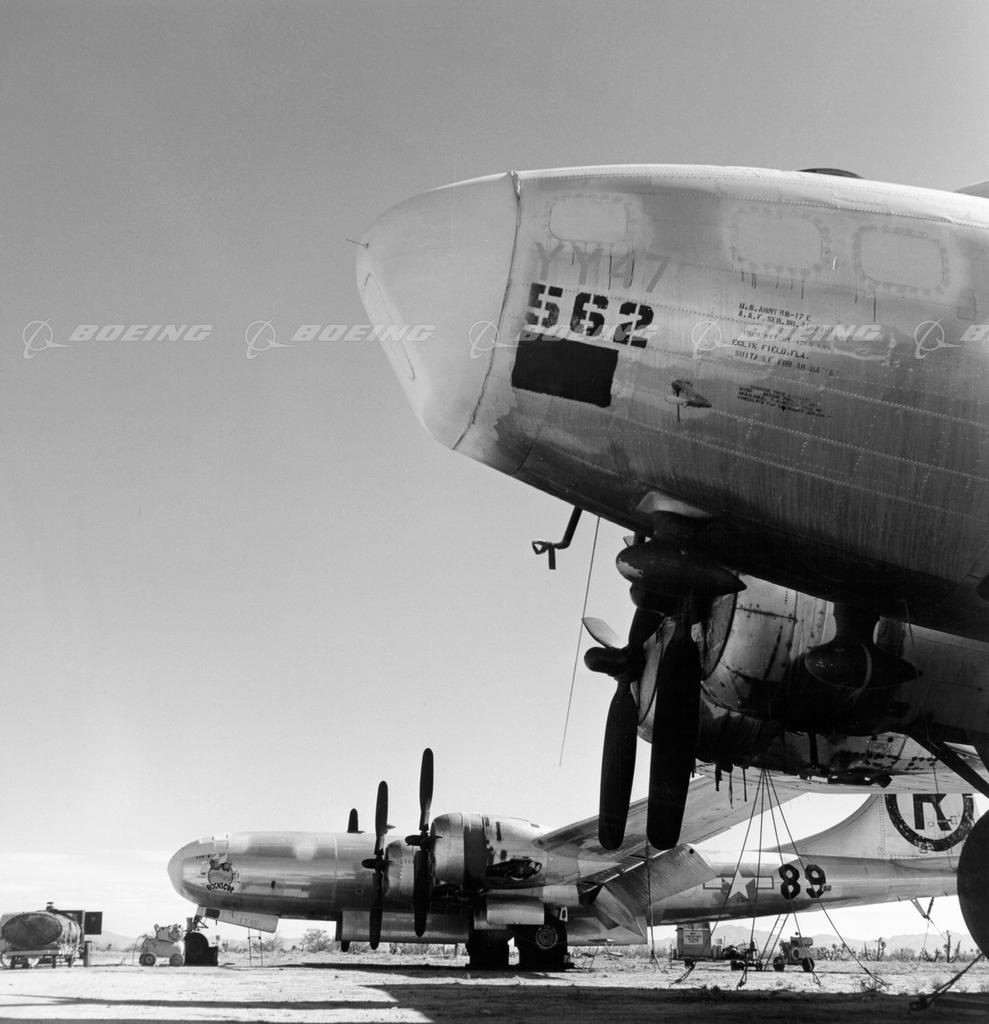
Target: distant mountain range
x=114, y=940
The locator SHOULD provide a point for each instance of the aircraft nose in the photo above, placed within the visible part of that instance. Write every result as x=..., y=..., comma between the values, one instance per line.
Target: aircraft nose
x=433, y=272
x=183, y=869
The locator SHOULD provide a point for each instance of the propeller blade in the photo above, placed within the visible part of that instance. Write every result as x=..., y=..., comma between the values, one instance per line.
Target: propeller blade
x=377, y=913
x=422, y=863
x=379, y=864
x=422, y=885
x=352, y=825
x=617, y=767
x=602, y=632
x=674, y=739
x=425, y=789
x=645, y=622
x=381, y=813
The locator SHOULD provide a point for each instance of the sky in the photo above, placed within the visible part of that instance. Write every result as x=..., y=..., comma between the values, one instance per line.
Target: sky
x=241, y=585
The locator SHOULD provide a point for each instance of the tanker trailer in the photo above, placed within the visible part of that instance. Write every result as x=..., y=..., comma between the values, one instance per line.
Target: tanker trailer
x=46, y=937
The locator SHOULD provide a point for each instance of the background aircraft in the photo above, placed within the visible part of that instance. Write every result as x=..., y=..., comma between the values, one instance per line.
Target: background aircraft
x=776, y=381
x=485, y=879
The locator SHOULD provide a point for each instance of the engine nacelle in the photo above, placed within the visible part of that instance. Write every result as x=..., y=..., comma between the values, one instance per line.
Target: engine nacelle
x=752, y=647
x=400, y=872
x=760, y=702
x=503, y=911
x=472, y=851
x=459, y=849
x=764, y=670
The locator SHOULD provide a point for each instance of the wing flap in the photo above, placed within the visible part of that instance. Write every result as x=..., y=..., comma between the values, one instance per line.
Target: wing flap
x=670, y=872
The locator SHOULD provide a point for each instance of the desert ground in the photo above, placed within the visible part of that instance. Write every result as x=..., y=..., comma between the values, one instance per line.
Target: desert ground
x=337, y=987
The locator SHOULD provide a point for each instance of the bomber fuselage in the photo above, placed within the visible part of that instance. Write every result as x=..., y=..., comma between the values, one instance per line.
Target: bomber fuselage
x=797, y=361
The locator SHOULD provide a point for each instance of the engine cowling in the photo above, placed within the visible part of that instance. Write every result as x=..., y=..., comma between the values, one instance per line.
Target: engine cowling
x=400, y=873
x=779, y=662
x=460, y=852
x=762, y=705
x=753, y=647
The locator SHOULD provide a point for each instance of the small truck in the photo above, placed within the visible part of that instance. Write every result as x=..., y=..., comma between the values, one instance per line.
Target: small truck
x=793, y=952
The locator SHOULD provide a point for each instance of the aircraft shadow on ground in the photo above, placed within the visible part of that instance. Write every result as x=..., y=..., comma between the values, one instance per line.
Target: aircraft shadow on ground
x=634, y=1005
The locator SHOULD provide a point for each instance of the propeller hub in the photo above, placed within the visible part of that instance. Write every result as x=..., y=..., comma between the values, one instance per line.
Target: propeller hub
x=622, y=665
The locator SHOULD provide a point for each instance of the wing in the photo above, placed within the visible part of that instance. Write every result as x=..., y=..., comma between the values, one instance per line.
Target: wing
x=711, y=809
x=616, y=883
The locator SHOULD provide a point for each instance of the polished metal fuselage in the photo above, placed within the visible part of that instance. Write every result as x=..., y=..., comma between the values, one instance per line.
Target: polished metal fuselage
x=894, y=847
x=797, y=360
x=280, y=874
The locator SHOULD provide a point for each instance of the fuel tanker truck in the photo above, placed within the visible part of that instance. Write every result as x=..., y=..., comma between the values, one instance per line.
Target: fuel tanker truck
x=47, y=936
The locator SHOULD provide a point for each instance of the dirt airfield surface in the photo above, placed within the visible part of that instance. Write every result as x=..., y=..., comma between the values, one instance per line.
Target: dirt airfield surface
x=337, y=987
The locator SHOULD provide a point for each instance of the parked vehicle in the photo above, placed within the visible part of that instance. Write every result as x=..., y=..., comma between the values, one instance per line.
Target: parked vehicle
x=48, y=936
x=793, y=951
x=164, y=944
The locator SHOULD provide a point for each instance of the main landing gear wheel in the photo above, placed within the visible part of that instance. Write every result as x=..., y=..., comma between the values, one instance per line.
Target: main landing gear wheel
x=543, y=948
x=198, y=951
x=487, y=953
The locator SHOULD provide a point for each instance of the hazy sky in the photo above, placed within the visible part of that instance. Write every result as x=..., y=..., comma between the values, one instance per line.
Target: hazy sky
x=238, y=591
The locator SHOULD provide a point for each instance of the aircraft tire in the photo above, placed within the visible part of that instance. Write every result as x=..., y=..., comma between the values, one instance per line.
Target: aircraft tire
x=543, y=948
x=198, y=952
x=487, y=954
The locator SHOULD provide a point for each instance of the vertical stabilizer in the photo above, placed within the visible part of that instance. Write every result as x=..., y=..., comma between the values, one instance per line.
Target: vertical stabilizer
x=896, y=826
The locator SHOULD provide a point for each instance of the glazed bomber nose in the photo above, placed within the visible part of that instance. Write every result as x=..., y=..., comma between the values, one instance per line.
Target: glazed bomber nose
x=434, y=269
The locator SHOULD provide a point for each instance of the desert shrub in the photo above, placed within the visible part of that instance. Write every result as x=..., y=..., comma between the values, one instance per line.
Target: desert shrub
x=315, y=940
x=902, y=953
